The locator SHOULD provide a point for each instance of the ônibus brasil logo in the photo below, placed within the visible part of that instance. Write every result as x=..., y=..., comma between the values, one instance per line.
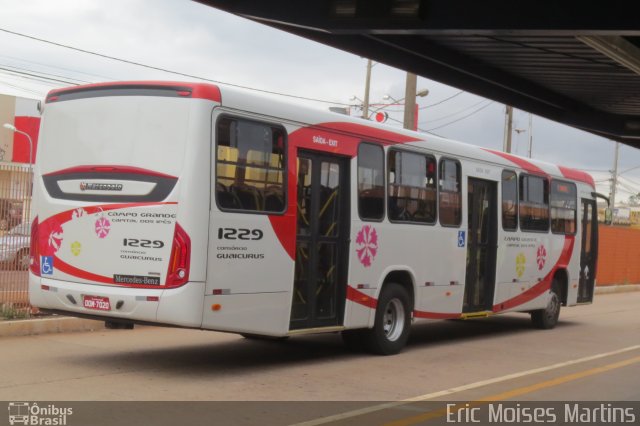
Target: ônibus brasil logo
x=27, y=413
x=367, y=245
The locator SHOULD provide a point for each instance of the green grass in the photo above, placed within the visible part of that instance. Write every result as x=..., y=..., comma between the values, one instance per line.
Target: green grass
x=10, y=312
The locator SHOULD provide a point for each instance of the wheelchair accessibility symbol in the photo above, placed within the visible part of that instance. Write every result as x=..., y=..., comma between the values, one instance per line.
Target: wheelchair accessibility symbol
x=461, y=238
x=46, y=265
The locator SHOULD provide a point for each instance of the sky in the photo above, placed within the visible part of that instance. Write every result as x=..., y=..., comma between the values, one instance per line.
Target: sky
x=190, y=38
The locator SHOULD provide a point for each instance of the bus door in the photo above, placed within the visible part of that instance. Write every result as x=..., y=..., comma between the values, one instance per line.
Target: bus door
x=588, y=251
x=319, y=289
x=481, y=246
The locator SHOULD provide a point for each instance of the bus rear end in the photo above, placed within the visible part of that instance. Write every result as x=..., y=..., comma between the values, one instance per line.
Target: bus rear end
x=121, y=187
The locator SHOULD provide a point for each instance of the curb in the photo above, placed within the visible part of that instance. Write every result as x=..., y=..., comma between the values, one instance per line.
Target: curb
x=622, y=288
x=47, y=325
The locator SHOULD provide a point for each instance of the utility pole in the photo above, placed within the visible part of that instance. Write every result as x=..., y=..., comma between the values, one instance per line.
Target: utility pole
x=530, y=134
x=367, y=85
x=410, y=102
x=614, y=177
x=508, y=123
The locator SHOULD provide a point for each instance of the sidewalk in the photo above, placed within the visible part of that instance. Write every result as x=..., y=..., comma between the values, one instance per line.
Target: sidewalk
x=59, y=324
x=54, y=324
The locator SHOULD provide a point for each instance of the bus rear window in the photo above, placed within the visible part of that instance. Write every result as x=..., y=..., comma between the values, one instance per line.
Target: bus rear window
x=250, y=166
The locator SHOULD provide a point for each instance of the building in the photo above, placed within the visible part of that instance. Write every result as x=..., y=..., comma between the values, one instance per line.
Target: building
x=15, y=172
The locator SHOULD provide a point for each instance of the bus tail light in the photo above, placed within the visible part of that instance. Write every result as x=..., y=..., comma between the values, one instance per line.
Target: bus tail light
x=178, y=273
x=34, y=249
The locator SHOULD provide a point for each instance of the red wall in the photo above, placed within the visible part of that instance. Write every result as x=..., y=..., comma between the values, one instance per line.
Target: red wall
x=30, y=125
x=618, y=255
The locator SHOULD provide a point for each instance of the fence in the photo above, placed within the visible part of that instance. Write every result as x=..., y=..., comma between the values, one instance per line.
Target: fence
x=15, y=229
x=618, y=255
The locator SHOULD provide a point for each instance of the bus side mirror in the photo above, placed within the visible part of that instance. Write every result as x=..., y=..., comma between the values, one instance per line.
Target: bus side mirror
x=608, y=216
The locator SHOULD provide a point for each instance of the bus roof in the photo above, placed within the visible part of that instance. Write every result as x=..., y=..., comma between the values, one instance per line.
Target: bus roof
x=271, y=106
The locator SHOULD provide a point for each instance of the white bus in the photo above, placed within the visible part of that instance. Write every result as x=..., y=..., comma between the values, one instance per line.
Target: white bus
x=208, y=207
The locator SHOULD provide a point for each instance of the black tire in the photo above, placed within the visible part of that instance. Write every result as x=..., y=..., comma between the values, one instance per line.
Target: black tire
x=354, y=340
x=547, y=318
x=116, y=325
x=392, y=324
x=250, y=336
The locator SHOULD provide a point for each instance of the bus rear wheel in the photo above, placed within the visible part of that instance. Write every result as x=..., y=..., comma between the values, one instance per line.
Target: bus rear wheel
x=547, y=318
x=390, y=330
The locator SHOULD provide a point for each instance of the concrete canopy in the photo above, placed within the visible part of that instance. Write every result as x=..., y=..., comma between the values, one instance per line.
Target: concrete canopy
x=574, y=62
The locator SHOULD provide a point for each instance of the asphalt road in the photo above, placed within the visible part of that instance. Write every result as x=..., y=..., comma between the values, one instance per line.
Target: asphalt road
x=593, y=354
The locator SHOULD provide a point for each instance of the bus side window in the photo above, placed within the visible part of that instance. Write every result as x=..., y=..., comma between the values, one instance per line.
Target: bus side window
x=564, y=207
x=370, y=182
x=450, y=193
x=509, y=200
x=250, y=166
x=534, y=203
x=412, y=187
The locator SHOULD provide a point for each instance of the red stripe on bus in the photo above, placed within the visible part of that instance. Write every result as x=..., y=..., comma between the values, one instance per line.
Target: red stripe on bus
x=577, y=175
x=285, y=229
x=521, y=162
x=197, y=90
x=371, y=302
x=535, y=291
x=544, y=285
x=435, y=315
x=343, y=138
x=67, y=215
x=361, y=298
x=62, y=266
x=109, y=169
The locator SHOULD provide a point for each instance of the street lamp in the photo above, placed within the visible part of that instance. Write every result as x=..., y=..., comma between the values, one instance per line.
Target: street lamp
x=421, y=94
x=410, y=119
x=13, y=129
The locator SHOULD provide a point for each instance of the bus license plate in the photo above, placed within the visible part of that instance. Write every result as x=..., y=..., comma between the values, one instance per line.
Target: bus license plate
x=97, y=303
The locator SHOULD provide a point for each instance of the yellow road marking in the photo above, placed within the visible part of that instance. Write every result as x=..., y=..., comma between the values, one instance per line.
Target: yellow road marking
x=458, y=389
x=517, y=392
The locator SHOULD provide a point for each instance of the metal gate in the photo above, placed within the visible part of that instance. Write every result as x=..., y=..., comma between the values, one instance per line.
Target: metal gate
x=15, y=229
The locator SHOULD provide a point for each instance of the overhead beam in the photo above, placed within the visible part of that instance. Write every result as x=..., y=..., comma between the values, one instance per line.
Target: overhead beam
x=443, y=17
x=616, y=48
x=430, y=60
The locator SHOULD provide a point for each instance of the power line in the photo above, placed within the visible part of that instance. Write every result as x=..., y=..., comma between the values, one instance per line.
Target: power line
x=55, y=67
x=33, y=80
x=20, y=88
x=42, y=73
x=126, y=61
x=444, y=117
x=629, y=180
x=442, y=101
x=463, y=117
x=37, y=77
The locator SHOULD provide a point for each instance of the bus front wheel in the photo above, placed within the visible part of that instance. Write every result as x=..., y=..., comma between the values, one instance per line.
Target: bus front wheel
x=390, y=331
